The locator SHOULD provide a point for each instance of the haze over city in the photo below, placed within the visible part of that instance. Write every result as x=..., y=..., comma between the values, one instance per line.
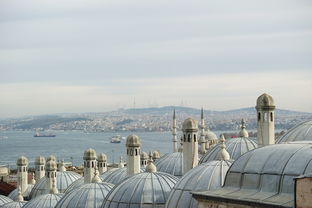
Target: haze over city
x=94, y=56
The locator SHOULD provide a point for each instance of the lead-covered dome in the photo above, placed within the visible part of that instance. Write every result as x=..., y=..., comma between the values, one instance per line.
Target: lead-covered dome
x=234, y=146
x=22, y=161
x=207, y=176
x=133, y=141
x=301, y=132
x=4, y=200
x=148, y=190
x=14, y=204
x=189, y=124
x=89, y=195
x=63, y=180
x=89, y=154
x=171, y=163
x=44, y=201
x=115, y=176
x=14, y=194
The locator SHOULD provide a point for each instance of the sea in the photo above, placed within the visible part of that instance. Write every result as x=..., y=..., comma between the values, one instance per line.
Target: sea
x=70, y=145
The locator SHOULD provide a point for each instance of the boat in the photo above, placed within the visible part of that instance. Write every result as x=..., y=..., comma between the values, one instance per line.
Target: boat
x=115, y=139
x=37, y=134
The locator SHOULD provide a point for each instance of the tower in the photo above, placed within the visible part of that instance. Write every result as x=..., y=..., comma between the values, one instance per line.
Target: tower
x=51, y=168
x=174, y=132
x=190, y=144
x=102, y=163
x=202, y=133
x=39, y=168
x=265, y=116
x=133, y=153
x=90, y=164
x=144, y=159
x=22, y=173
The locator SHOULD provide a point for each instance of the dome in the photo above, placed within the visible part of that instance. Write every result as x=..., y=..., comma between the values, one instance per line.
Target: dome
x=301, y=132
x=89, y=195
x=51, y=157
x=265, y=102
x=207, y=176
x=44, y=201
x=116, y=176
x=51, y=166
x=40, y=160
x=189, y=125
x=89, y=154
x=74, y=185
x=102, y=157
x=22, y=161
x=171, y=163
x=63, y=180
x=14, y=204
x=4, y=200
x=144, y=156
x=133, y=141
x=14, y=194
x=234, y=146
x=148, y=190
x=266, y=175
x=210, y=136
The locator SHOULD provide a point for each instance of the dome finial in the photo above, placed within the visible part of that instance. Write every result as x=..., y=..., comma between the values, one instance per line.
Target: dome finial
x=62, y=166
x=223, y=154
x=243, y=132
x=20, y=196
x=96, y=178
x=121, y=163
x=33, y=181
x=54, y=189
x=150, y=168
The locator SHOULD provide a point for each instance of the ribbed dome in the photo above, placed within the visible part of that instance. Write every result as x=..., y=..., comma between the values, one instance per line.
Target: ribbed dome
x=133, y=141
x=89, y=154
x=265, y=102
x=115, y=176
x=301, y=132
x=63, y=180
x=75, y=185
x=207, y=176
x=146, y=190
x=40, y=160
x=4, y=200
x=102, y=157
x=22, y=161
x=89, y=195
x=14, y=204
x=189, y=125
x=14, y=194
x=171, y=163
x=44, y=201
x=267, y=174
x=235, y=147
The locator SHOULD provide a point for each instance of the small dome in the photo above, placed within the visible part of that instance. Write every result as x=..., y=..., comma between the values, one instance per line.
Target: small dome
x=144, y=156
x=51, y=157
x=207, y=176
x=89, y=154
x=156, y=155
x=22, y=161
x=265, y=102
x=170, y=163
x=210, y=136
x=4, y=200
x=115, y=176
x=102, y=157
x=189, y=125
x=51, y=166
x=144, y=190
x=235, y=147
x=44, y=201
x=75, y=185
x=63, y=180
x=40, y=160
x=133, y=141
x=14, y=204
x=301, y=132
x=89, y=195
x=14, y=194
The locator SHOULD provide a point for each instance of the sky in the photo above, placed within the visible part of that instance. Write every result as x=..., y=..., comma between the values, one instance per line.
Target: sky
x=60, y=56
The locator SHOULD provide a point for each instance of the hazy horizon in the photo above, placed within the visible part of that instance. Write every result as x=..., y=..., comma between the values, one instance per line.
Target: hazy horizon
x=71, y=56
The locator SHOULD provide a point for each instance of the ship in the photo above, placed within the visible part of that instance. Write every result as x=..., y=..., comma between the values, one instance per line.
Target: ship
x=37, y=134
x=116, y=139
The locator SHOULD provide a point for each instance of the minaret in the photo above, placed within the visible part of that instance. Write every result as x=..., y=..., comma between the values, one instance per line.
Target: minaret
x=243, y=132
x=22, y=173
x=202, y=133
x=156, y=155
x=90, y=164
x=144, y=159
x=265, y=116
x=190, y=144
x=51, y=168
x=51, y=157
x=174, y=133
x=39, y=168
x=102, y=163
x=133, y=153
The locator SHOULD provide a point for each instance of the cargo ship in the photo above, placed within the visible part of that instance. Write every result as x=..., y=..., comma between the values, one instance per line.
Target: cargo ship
x=37, y=134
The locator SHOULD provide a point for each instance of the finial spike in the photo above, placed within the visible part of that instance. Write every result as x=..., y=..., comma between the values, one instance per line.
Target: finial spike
x=174, y=114
x=223, y=154
x=202, y=113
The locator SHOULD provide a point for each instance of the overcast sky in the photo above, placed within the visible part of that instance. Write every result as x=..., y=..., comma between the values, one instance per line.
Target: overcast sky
x=99, y=55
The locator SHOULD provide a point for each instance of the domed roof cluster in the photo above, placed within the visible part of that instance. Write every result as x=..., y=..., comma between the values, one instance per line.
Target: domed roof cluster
x=133, y=141
x=22, y=161
x=301, y=132
x=207, y=176
x=44, y=201
x=171, y=163
x=4, y=200
x=89, y=154
x=189, y=124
